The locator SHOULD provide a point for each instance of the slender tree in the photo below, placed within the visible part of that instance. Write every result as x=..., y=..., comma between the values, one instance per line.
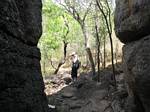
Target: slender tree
x=97, y=42
x=98, y=50
x=65, y=44
x=107, y=18
x=104, y=51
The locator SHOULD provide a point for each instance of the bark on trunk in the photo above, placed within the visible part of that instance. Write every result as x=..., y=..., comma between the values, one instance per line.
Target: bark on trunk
x=88, y=50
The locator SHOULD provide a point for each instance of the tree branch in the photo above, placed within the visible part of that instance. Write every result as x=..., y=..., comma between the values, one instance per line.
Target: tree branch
x=87, y=11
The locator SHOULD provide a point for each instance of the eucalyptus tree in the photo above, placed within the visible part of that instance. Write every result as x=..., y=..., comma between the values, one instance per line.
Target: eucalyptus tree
x=79, y=10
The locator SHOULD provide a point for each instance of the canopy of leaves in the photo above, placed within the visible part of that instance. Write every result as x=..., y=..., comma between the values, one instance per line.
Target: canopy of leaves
x=55, y=16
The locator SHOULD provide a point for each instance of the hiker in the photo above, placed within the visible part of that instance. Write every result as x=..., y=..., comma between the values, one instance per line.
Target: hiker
x=75, y=66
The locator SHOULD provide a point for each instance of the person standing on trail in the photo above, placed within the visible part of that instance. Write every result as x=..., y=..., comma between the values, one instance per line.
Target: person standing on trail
x=75, y=66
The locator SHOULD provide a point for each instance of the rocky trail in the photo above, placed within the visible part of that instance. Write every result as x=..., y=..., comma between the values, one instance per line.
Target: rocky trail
x=86, y=95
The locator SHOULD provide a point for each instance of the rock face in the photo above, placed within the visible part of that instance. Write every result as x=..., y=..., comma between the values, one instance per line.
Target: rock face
x=132, y=19
x=137, y=69
x=132, y=28
x=21, y=83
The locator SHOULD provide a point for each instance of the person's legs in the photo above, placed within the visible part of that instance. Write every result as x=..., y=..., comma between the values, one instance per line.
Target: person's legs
x=74, y=75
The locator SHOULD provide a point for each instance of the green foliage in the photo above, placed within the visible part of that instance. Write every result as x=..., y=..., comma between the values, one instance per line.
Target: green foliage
x=54, y=32
x=55, y=29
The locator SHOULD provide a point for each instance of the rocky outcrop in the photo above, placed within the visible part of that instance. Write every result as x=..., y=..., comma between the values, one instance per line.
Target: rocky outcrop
x=132, y=19
x=21, y=83
x=133, y=28
x=136, y=62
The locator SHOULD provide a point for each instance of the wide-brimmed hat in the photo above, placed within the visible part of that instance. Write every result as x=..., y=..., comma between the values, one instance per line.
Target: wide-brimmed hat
x=73, y=53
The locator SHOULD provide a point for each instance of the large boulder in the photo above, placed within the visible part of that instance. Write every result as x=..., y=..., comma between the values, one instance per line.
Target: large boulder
x=136, y=59
x=21, y=82
x=132, y=27
x=132, y=19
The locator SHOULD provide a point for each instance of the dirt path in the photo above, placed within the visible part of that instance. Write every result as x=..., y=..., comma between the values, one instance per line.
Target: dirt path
x=85, y=95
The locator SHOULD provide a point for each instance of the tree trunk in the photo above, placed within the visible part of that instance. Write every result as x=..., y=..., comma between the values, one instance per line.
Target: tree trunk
x=64, y=58
x=116, y=54
x=88, y=50
x=98, y=58
x=104, y=64
x=95, y=56
x=65, y=49
x=109, y=28
x=112, y=59
x=59, y=65
x=98, y=49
